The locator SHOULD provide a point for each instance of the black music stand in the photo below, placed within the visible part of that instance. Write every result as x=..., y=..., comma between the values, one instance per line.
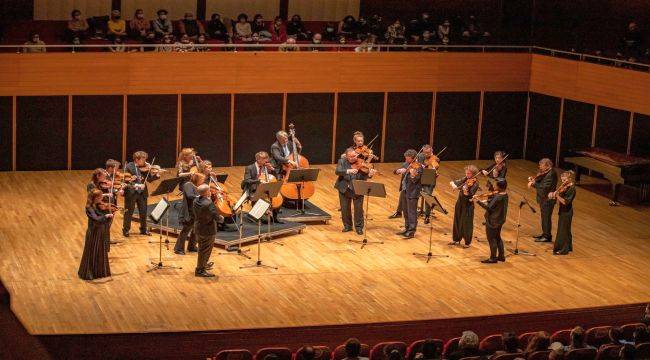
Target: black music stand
x=516, y=250
x=157, y=216
x=221, y=178
x=239, y=208
x=267, y=191
x=367, y=189
x=298, y=176
x=428, y=178
x=165, y=187
x=435, y=205
x=257, y=212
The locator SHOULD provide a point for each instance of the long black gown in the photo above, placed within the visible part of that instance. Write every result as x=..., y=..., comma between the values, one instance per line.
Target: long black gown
x=464, y=215
x=563, y=238
x=94, y=261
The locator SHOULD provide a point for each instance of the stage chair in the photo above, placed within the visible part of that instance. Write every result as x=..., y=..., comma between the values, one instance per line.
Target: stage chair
x=280, y=352
x=339, y=352
x=512, y=356
x=539, y=355
x=491, y=343
x=416, y=347
x=450, y=346
x=235, y=354
x=597, y=336
x=643, y=350
x=563, y=336
x=627, y=330
x=581, y=354
x=524, y=339
x=380, y=350
x=608, y=352
x=320, y=352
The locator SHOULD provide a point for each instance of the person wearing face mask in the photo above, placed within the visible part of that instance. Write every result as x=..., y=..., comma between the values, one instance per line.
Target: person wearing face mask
x=444, y=32
x=77, y=27
x=255, y=40
x=347, y=27
x=167, y=45
x=289, y=45
x=149, y=39
x=395, y=33
x=295, y=28
x=201, y=44
x=217, y=30
x=363, y=28
x=191, y=27
x=139, y=26
x=116, y=25
x=260, y=28
x=278, y=30
x=162, y=26
x=316, y=40
x=37, y=45
x=329, y=34
x=184, y=44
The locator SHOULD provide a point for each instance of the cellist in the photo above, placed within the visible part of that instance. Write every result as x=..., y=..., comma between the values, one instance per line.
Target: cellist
x=281, y=150
x=187, y=160
x=255, y=173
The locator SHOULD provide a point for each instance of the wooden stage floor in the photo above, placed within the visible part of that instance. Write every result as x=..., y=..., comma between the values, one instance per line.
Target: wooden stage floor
x=322, y=278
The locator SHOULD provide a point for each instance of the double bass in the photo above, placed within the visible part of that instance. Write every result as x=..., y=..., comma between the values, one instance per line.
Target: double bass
x=296, y=191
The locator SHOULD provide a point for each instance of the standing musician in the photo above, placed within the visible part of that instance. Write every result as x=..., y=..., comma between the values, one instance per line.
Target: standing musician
x=564, y=195
x=498, y=171
x=187, y=159
x=205, y=226
x=348, y=169
x=136, y=191
x=464, y=209
x=112, y=169
x=94, y=260
x=496, y=211
x=429, y=160
x=211, y=176
x=186, y=216
x=410, y=187
x=545, y=181
x=100, y=180
x=259, y=171
x=280, y=151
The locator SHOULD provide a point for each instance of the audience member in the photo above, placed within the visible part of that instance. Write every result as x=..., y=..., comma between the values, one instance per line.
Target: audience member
x=395, y=34
x=393, y=354
x=139, y=26
x=557, y=351
x=117, y=45
x=77, y=27
x=427, y=41
x=375, y=26
x=190, y=26
x=641, y=335
x=243, y=29
x=646, y=316
x=185, y=44
x=295, y=28
x=258, y=26
x=201, y=44
x=347, y=27
x=539, y=342
x=425, y=23
x=316, y=40
x=631, y=43
x=444, y=32
x=431, y=350
x=149, y=39
x=627, y=352
x=217, y=30
x=510, y=344
x=162, y=26
x=363, y=28
x=289, y=45
x=578, y=339
x=473, y=34
x=353, y=350
x=116, y=26
x=255, y=40
x=308, y=353
x=278, y=30
x=329, y=33
x=367, y=45
x=467, y=346
x=36, y=45
x=412, y=31
x=167, y=44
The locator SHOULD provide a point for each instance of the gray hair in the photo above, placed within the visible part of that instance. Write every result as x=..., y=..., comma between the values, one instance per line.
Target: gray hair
x=468, y=340
x=281, y=133
x=472, y=168
x=203, y=189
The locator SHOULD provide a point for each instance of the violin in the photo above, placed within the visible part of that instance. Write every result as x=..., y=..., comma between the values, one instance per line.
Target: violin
x=153, y=169
x=107, y=206
x=485, y=195
x=498, y=166
x=540, y=174
x=561, y=190
x=366, y=152
x=432, y=162
x=197, y=164
x=362, y=166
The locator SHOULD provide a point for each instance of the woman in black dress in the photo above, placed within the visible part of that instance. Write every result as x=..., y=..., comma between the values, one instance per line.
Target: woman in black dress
x=94, y=261
x=564, y=195
x=464, y=209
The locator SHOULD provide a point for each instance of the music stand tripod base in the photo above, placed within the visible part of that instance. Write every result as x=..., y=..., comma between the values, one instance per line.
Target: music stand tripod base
x=257, y=212
x=434, y=205
x=160, y=266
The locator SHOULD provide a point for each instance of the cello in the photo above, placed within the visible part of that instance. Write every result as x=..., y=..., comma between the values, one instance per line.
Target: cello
x=296, y=191
x=220, y=198
x=265, y=177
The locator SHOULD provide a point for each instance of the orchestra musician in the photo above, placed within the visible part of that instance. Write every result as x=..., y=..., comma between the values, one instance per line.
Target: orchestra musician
x=545, y=182
x=186, y=161
x=430, y=161
x=564, y=195
x=186, y=216
x=136, y=191
x=464, y=210
x=100, y=180
x=94, y=260
x=112, y=170
x=206, y=169
x=347, y=170
x=496, y=211
x=497, y=170
x=259, y=171
x=280, y=151
x=205, y=226
x=410, y=187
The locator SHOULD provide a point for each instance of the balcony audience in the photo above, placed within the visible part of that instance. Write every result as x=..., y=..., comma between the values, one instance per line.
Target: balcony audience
x=631, y=44
x=473, y=34
x=190, y=26
x=289, y=45
x=296, y=29
x=347, y=27
x=117, y=45
x=35, y=44
x=217, y=30
x=184, y=44
x=243, y=30
x=167, y=44
x=329, y=33
x=395, y=34
x=278, y=30
x=557, y=351
x=139, y=27
x=149, y=39
x=162, y=26
x=510, y=344
x=646, y=316
x=201, y=44
x=317, y=39
x=116, y=26
x=259, y=26
x=428, y=41
x=77, y=27
x=353, y=350
x=467, y=346
x=367, y=45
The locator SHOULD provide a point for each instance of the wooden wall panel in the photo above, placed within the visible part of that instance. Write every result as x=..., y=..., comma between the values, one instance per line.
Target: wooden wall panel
x=408, y=123
x=257, y=118
x=206, y=126
x=231, y=8
x=504, y=123
x=41, y=132
x=313, y=115
x=641, y=136
x=176, y=8
x=96, y=130
x=543, y=121
x=324, y=10
x=612, y=127
x=61, y=9
x=359, y=112
x=151, y=127
x=6, y=128
x=456, y=125
x=577, y=127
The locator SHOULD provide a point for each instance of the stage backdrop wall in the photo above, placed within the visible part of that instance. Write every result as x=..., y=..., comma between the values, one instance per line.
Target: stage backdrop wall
x=6, y=129
x=96, y=135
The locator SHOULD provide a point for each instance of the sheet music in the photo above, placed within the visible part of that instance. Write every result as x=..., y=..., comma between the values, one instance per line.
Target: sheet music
x=259, y=210
x=241, y=200
x=158, y=212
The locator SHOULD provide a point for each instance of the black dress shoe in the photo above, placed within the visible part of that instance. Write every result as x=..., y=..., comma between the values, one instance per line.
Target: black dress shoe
x=395, y=215
x=543, y=239
x=426, y=220
x=209, y=265
x=409, y=235
x=489, y=261
x=538, y=236
x=203, y=273
x=193, y=249
x=360, y=231
x=401, y=232
x=502, y=259
x=346, y=230
x=179, y=252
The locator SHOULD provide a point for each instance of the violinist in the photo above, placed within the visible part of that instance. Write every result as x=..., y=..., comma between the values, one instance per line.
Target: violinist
x=496, y=211
x=186, y=216
x=497, y=170
x=184, y=165
x=94, y=260
x=347, y=170
x=100, y=180
x=464, y=209
x=430, y=161
x=257, y=172
x=136, y=191
x=206, y=217
x=410, y=187
x=280, y=151
x=564, y=195
x=545, y=181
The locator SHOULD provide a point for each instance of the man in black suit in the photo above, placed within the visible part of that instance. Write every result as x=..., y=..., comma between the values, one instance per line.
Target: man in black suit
x=205, y=228
x=544, y=183
x=346, y=174
x=496, y=212
x=255, y=173
x=186, y=215
x=136, y=192
x=410, y=188
x=280, y=151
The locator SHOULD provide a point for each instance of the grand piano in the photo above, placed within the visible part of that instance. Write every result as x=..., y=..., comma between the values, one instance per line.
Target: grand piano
x=619, y=169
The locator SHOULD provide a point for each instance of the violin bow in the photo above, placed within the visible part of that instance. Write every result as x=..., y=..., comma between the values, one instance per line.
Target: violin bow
x=441, y=151
x=495, y=163
x=372, y=141
x=149, y=172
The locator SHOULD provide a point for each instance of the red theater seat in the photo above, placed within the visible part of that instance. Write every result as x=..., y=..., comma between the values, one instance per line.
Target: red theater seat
x=581, y=354
x=597, y=336
x=643, y=351
x=608, y=352
x=339, y=352
x=627, y=330
x=380, y=350
x=524, y=339
x=320, y=353
x=491, y=343
x=539, y=355
x=416, y=347
x=237, y=354
x=563, y=336
x=508, y=356
x=280, y=352
x=450, y=346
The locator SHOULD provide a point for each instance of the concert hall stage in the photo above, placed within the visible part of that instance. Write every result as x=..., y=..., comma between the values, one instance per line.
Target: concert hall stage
x=323, y=279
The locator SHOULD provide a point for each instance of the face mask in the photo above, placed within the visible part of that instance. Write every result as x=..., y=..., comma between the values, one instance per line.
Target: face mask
x=35, y=39
x=140, y=16
x=77, y=17
x=316, y=41
x=163, y=17
x=329, y=29
x=117, y=17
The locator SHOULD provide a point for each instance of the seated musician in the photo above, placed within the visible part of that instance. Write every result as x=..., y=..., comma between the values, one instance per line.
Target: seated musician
x=136, y=191
x=186, y=160
x=256, y=173
x=346, y=172
x=281, y=151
